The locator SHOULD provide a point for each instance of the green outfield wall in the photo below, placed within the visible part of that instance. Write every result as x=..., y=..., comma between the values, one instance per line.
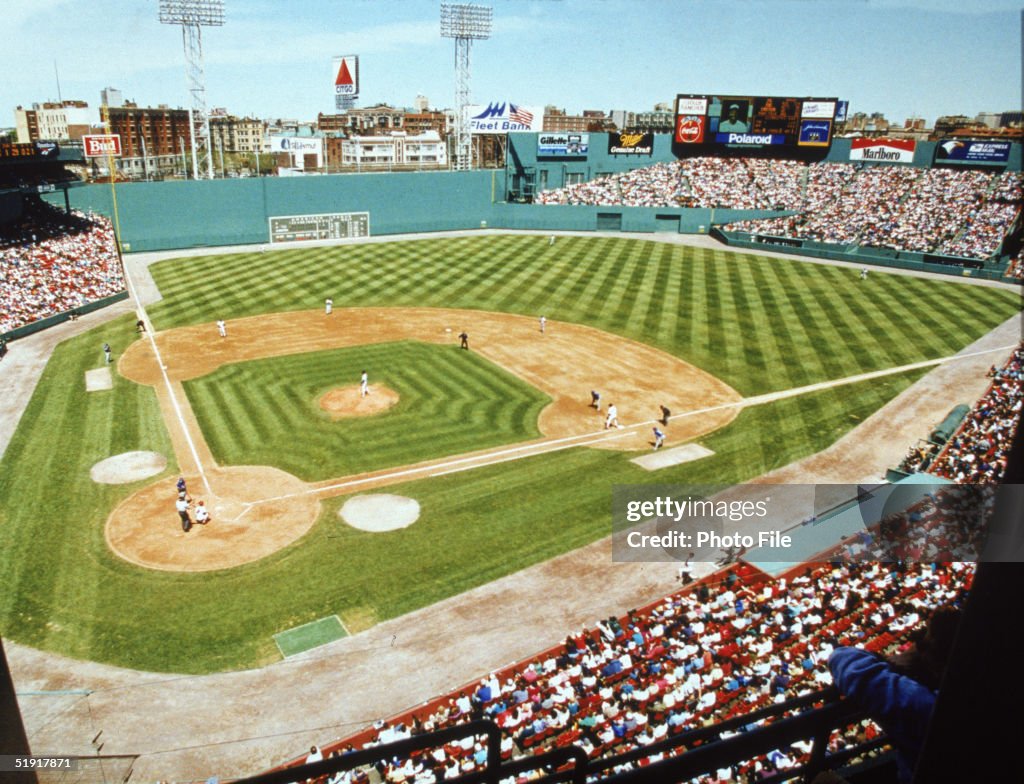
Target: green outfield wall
x=169, y=215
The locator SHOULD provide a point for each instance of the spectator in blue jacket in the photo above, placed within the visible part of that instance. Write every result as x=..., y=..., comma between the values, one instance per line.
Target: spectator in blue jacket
x=899, y=693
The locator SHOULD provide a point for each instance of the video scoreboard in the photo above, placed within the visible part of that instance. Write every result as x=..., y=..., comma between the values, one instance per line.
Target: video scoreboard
x=329, y=226
x=29, y=151
x=754, y=121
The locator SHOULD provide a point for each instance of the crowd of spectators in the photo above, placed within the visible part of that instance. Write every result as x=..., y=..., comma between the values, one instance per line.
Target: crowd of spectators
x=738, y=183
x=950, y=523
x=717, y=650
x=949, y=211
x=1015, y=267
x=957, y=212
x=977, y=452
x=52, y=262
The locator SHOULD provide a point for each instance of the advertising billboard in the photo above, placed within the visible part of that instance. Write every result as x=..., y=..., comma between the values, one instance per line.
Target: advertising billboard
x=101, y=145
x=27, y=150
x=626, y=143
x=965, y=151
x=754, y=121
x=888, y=150
x=502, y=117
x=563, y=145
x=345, y=71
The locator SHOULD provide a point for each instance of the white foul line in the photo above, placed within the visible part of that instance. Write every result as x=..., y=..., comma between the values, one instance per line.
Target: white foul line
x=141, y=311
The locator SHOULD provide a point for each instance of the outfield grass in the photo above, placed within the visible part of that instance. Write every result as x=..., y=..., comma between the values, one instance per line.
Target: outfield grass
x=760, y=324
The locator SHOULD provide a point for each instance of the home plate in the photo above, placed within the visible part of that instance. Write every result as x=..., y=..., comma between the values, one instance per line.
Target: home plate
x=663, y=458
x=98, y=379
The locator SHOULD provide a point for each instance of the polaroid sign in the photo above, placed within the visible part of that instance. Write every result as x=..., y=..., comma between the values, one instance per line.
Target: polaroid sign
x=630, y=143
x=883, y=150
x=750, y=138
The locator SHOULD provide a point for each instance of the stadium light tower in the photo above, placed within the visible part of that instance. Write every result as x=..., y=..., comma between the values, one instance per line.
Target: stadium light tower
x=193, y=16
x=465, y=23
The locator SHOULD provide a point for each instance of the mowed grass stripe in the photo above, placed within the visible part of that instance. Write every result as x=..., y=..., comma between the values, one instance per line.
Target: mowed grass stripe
x=452, y=401
x=603, y=276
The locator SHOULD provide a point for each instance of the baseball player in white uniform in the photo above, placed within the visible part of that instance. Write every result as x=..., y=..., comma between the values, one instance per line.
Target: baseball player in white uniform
x=328, y=306
x=222, y=328
x=364, y=385
x=613, y=417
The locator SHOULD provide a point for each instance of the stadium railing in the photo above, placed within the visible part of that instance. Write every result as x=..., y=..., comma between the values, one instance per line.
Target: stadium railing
x=811, y=717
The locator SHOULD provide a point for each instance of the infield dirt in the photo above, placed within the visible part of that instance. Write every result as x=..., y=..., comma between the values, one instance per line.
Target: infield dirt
x=257, y=510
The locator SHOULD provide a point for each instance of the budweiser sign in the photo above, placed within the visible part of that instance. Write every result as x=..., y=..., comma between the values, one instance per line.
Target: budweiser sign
x=102, y=145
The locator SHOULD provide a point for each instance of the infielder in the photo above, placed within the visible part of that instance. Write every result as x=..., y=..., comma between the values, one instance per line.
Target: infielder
x=659, y=438
x=595, y=399
x=222, y=328
x=464, y=341
x=364, y=384
x=328, y=306
x=613, y=417
x=543, y=322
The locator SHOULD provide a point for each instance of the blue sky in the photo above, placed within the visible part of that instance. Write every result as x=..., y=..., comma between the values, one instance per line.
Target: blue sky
x=272, y=58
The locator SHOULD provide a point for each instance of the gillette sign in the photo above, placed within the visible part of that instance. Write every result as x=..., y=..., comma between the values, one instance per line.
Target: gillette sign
x=496, y=118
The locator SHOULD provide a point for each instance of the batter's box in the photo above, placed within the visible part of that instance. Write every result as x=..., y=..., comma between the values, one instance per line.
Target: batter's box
x=663, y=458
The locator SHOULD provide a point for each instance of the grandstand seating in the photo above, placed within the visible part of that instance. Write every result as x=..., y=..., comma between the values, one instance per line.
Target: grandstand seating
x=717, y=651
x=52, y=262
x=977, y=452
x=956, y=212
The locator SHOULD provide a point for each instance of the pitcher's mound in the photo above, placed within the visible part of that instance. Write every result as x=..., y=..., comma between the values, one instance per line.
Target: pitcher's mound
x=380, y=512
x=347, y=402
x=128, y=467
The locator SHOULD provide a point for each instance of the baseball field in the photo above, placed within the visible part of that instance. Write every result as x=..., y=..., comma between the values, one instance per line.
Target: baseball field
x=497, y=445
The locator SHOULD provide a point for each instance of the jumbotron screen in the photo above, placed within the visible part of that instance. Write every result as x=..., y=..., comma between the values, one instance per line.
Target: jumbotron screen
x=754, y=121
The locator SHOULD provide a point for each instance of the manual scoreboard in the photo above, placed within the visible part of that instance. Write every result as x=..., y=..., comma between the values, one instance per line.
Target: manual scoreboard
x=330, y=226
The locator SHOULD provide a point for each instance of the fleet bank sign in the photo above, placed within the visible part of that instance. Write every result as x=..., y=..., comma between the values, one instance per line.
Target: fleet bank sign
x=503, y=117
x=630, y=143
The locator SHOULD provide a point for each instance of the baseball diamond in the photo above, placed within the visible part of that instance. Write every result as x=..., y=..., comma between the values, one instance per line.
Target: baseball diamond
x=639, y=319
x=732, y=343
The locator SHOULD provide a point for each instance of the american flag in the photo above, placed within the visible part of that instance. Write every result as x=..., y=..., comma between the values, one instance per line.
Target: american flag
x=519, y=115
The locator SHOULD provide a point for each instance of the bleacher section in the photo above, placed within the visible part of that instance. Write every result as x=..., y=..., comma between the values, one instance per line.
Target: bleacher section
x=720, y=650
